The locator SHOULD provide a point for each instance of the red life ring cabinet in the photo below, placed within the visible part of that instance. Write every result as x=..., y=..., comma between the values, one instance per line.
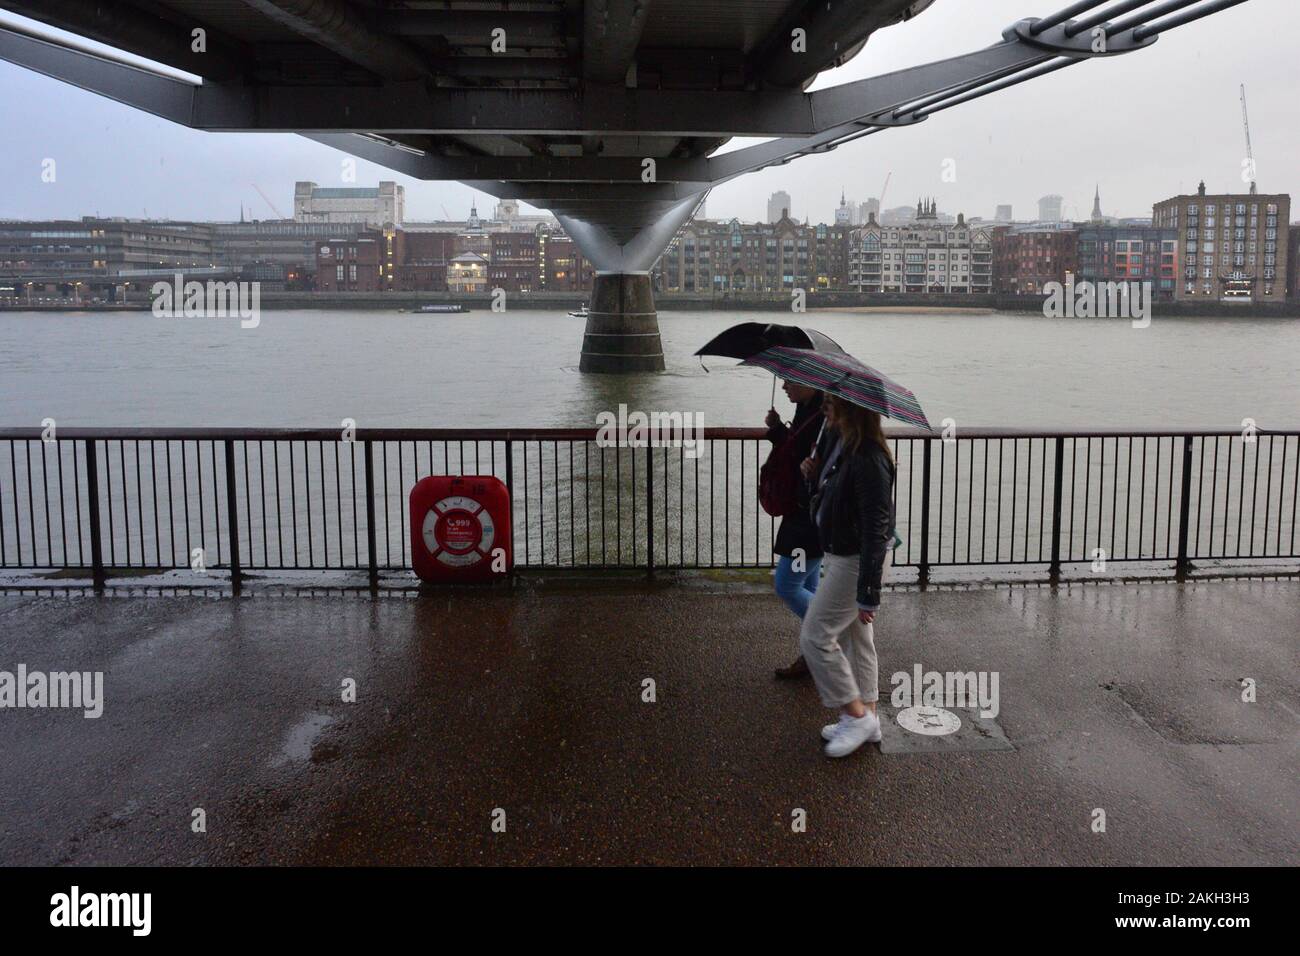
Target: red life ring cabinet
x=460, y=528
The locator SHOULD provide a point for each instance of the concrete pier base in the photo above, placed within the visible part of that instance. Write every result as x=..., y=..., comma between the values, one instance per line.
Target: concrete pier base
x=622, y=328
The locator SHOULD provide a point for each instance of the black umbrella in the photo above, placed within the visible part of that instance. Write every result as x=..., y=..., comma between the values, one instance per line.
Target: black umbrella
x=749, y=338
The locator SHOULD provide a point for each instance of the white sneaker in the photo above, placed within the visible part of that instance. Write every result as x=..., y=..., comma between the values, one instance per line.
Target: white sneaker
x=829, y=730
x=851, y=733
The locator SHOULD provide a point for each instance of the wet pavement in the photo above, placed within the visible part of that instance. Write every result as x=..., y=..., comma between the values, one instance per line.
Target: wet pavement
x=526, y=706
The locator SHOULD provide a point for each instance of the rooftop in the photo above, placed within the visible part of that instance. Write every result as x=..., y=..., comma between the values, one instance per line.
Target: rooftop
x=345, y=192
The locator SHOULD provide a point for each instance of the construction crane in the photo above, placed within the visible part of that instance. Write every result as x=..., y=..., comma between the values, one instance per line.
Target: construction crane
x=267, y=200
x=1250, y=152
x=884, y=189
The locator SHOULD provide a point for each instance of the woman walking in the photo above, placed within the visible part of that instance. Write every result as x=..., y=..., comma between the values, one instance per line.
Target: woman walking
x=798, y=566
x=853, y=511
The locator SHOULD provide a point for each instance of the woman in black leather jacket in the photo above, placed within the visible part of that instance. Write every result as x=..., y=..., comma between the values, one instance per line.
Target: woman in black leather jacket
x=852, y=508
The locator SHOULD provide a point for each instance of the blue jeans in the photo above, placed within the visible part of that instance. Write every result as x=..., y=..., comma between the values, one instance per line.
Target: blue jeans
x=796, y=588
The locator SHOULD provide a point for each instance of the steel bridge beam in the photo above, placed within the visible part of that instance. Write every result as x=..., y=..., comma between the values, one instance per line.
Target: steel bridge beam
x=145, y=90
x=416, y=108
x=834, y=31
x=405, y=108
x=335, y=24
x=611, y=33
x=523, y=28
x=126, y=27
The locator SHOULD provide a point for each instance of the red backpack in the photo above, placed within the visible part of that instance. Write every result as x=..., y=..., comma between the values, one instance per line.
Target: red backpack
x=779, y=478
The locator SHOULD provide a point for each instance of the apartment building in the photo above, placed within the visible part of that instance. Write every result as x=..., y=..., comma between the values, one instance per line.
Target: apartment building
x=924, y=255
x=1232, y=246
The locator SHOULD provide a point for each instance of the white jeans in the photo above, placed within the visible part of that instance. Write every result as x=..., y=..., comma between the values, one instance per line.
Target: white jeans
x=839, y=648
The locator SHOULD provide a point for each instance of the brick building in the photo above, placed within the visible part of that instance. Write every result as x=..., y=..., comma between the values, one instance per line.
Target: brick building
x=1233, y=247
x=830, y=255
x=512, y=262
x=353, y=265
x=395, y=259
x=716, y=256
x=1025, y=258
x=1293, y=261
x=252, y=247
x=421, y=260
x=561, y=265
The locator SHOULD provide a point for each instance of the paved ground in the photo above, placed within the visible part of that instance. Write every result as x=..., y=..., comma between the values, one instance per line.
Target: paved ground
x=1122, y=697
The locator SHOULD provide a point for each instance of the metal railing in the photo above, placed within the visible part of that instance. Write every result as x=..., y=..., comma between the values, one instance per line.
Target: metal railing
x=117, y=501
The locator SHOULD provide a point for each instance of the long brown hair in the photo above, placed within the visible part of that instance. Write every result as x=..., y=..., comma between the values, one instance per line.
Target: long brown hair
x=857, y=425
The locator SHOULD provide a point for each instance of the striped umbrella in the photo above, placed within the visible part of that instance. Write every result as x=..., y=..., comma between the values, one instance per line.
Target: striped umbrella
x=842, y=375
x=749, y=338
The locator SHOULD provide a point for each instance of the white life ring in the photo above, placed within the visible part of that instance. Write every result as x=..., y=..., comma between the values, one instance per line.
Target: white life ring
x=458, y=531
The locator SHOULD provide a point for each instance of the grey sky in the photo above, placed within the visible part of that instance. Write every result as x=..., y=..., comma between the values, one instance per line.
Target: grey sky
x=1145, y=126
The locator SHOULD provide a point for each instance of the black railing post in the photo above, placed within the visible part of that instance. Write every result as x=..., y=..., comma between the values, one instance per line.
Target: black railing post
x=232, y=517
x=510, y=496
x=649, y=509
x=1184, y=510
x=372, y=560
x=923, y=570
x=1056, y=510
x=92, y=491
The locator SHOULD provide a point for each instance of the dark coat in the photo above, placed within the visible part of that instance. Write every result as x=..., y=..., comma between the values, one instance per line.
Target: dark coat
x=797, y=529
x=859, y=517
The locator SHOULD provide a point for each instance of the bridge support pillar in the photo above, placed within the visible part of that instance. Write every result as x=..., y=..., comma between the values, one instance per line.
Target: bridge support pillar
x=622, y=332
x=622, y=240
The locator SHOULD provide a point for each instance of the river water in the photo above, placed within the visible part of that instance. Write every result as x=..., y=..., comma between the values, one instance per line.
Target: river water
x=519, y=368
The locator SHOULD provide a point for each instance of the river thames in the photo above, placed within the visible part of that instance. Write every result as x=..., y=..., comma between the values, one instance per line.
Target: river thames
x=519, y=369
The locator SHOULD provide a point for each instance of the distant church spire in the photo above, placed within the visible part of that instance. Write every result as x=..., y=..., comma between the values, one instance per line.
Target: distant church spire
x=1096, y=205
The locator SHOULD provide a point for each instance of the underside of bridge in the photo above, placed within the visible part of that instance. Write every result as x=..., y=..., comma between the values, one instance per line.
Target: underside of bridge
x=609, y=113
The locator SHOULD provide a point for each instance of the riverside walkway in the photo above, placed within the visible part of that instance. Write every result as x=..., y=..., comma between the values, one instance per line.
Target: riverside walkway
x=529, y=699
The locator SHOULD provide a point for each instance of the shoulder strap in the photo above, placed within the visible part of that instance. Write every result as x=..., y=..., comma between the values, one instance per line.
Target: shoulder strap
x=815, y=416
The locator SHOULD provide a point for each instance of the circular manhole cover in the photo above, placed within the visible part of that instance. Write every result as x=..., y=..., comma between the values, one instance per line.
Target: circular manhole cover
x=931, y=721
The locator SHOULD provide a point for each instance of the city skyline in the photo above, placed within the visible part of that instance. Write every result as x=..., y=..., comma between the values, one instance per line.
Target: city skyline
x=486, y=204
x=1012, y=148
x=354, y=240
